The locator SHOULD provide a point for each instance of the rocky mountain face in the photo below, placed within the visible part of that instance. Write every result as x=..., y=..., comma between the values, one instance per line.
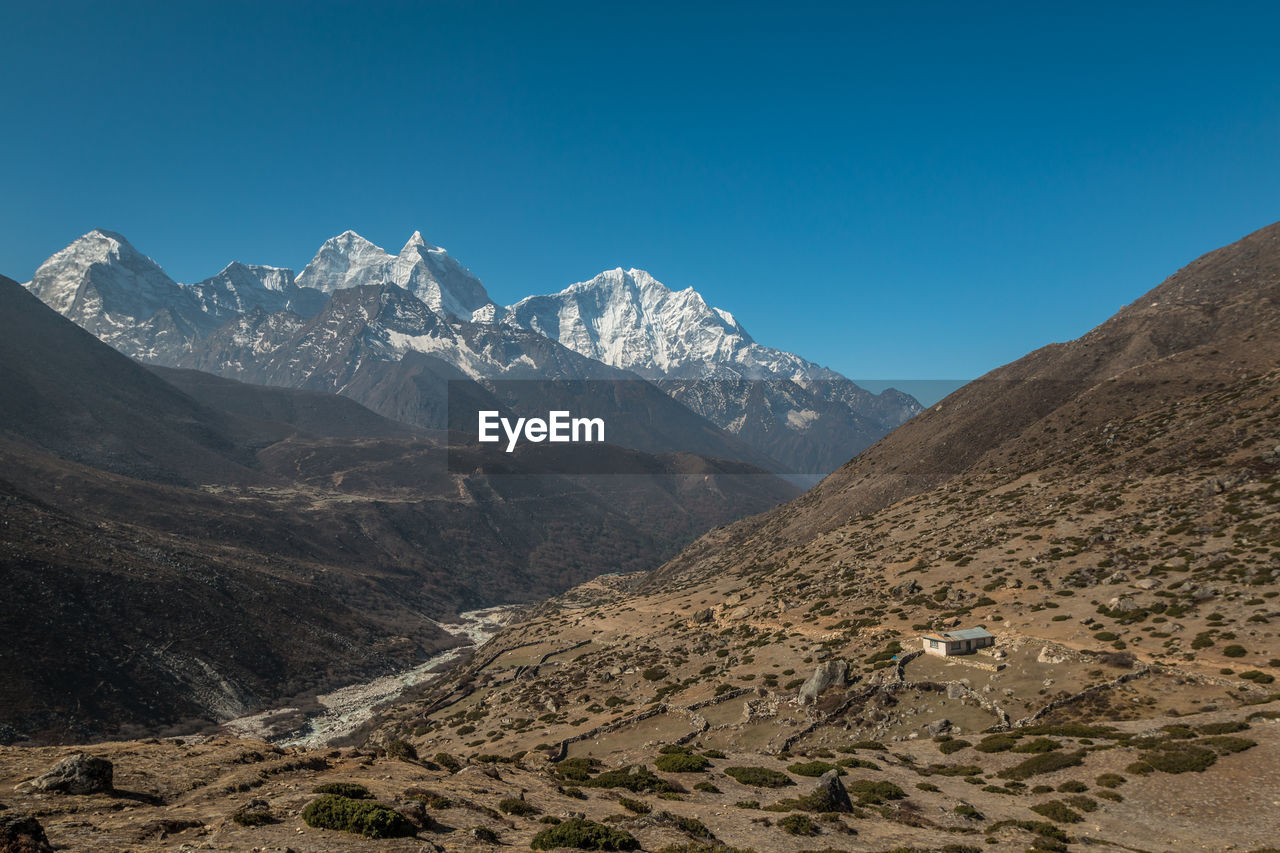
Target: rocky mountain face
x=426, y=271
x=811, y=419
x=356, y=312
x=179, y=548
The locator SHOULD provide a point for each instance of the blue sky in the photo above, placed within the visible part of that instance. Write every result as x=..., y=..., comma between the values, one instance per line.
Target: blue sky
x=898, y=190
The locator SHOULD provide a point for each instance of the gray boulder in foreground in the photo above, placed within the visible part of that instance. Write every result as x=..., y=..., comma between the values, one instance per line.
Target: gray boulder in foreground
x=79, y=774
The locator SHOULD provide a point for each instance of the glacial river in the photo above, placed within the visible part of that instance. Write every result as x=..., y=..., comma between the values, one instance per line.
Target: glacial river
x=348, y=708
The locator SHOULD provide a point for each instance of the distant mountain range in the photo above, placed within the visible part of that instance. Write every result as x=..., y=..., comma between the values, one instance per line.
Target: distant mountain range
x=179, y=548
x=390, y=330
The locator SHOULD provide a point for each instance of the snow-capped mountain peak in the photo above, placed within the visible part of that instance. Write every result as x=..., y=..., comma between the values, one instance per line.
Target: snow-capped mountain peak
x=425, y=270
x=126, y=280
x=347, y=260
x=629, y=319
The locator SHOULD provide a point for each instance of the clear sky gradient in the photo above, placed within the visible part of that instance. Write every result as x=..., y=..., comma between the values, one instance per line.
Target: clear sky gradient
x=898, y=190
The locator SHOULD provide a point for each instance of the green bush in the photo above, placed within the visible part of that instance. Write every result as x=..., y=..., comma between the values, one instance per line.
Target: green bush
x=1045, y=762
x=996, y=743
x=1073, y=786
x=1235, y=651
x=576, y=769
x=637, y=779
x=949, y=746
x=1110, y=780
x=1082, y=803
x=1037, y=746
x=706, y=787
x=1228, y=744
x=402, y=750
x=759, y=777
x=968, y=812
x=350, y=790
x=689, y=825
x=812, y=768
x=1057, y=811
x=869, y=793
x=798, y=824
x=635, y=806
x=358, y=816
x=854, y=761
x=1175, y=758
x=681, y=762
x=582, y=834
x=518, y=807
x=1226, y=728
x=654, y=673
x=447, y=761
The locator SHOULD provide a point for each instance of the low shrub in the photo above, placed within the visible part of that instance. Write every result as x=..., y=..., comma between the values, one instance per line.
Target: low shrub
x=582, y=834
x=518, y=807
x=1228, y=744
x=1175, y=758
x=1110, y=780
x=759, y=777
x=706, y=788
x=681, y=762
x=968, y=812
x=1037, y=746
x=1057, y=811
x=357, y=816
x=447, y=761
x=1044, y=763
x=635, y=806
x=872, y=793
x=996, y=743
x=1073, y=786
x=402, y=750
x=637, y=779
x=350, y=790
x=812, y=768
x=949, y=746
x=1082, y=803
x=576, y=769
x=798, y=824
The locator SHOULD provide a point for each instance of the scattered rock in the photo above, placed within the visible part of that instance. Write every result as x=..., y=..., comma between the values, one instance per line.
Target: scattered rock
x=938, y=727
x=80, y=774
x=829, y=795
x=1122, y=603
x=22, y=834
x=833, y=673
x=703, y=616
x=1147, y=583
x=907, y=588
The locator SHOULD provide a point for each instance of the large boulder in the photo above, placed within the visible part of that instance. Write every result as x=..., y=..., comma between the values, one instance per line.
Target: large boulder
x=80, y=774
x=829, y=795
x=907, y=588
x=22, y=834
x=833, y=673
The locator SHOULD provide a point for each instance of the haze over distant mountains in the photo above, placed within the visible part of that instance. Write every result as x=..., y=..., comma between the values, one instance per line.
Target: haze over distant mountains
x=391, y=330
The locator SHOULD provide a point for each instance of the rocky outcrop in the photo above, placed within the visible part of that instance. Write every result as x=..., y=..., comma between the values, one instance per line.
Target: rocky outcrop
x=22, y=834
x=80, y=774
x=833, y=673
x=829, y=795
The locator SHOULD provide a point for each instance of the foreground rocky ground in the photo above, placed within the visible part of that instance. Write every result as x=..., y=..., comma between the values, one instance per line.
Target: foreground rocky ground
x=924, y=794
